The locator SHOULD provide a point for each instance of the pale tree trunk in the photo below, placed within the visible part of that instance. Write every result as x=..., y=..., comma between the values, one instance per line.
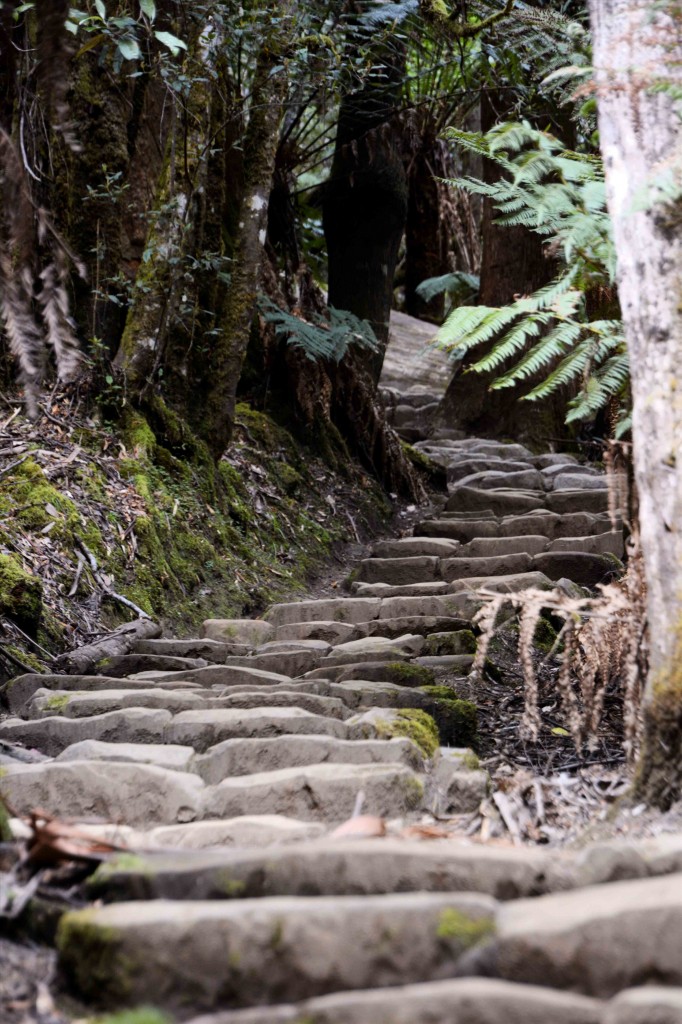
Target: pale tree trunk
x=637, y=49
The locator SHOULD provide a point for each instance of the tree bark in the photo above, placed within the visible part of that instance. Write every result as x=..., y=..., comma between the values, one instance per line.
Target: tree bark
x=512, y=263
x=427, y=250
x=260, y=147
x=636, y=50
x=365, y=202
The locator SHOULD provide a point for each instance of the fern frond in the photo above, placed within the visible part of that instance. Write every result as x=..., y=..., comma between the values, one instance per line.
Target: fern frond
x=547, y=351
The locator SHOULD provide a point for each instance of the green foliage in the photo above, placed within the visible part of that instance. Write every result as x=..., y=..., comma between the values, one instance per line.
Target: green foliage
x=457, y=288
x=321, y=338
x=551, y=339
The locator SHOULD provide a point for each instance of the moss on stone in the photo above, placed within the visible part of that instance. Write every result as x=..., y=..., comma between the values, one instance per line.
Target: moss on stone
x=140, y=1015
x=5, y=830
x=457, y=719
x=92, y=961
x=21, y=594
x=57, y=702
x=454, y=926
x=414, y=791
x=460, y=641
x=406, y=673
x=413, y=724
x=545, y=636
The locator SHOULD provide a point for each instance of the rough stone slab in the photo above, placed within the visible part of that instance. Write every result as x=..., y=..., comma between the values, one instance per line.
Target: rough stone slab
x=18, y=691
x=583, y=569
x=286, y=663
x=462, y=530
x=289, y=646
x=504, y=449
x=410, y=644
x=236, y=757
x=494, y=547
x=422, y=624
x=411, y=546
x=500, y=565
x=325, y=867
x=458, y=641
x=322, y=792
x=127, y=664
x=330, y=707
x=449, y=606
x=598, y=940
x=462, y=466
x=208, y=955
x=579, y=479
x=524, y=479
x=505, y=584
x=399, y=571
x=251, y=632
x=81, y=705
x=554, y=459
x=228, y=675
x=598, y=544
x=203, y=729
x=471, y=499
x=331, y=632
x=371, y=672
x=653, y=1004
x=163, y=755
x=246, y=830
x=349, y=610
x=363, y=693
x=209, y=650
x=462, y=1001
x=135, y=794
x=452, y=663
x=408, y=590
x=578, y=501
x=54, y=734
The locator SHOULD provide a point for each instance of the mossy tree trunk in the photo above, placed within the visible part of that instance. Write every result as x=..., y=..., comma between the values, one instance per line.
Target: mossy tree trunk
x=637, y=57
x=226, y=352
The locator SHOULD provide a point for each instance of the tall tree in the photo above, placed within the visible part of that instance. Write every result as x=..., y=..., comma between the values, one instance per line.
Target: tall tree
x=638, y=71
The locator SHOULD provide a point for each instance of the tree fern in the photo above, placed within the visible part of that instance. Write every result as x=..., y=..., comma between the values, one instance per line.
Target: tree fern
x=321, y=338
x=560, y=195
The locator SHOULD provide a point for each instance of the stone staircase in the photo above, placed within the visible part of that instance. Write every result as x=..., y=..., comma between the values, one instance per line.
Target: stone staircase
x=273, y=781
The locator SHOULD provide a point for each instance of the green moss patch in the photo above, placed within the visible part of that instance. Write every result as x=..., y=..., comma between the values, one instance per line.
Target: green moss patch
x=92, y=961
x=405, y=673
x=456, y=719
x=415, y=725
x=21, y=594
x=454, y=926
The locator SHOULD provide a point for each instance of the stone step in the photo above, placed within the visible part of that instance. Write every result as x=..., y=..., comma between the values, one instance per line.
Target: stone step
x=509, y=584
x=203, y=729
x=317, y=704
x=539, y=523
x=597, y=941
x=500, y=503
x=368, y=648
x=164, y=755
x=494, y=547
x=329, y=867
x=128, y=664
x=209, y=650
x=288, y=663
x=579, y=479
x=408, y=590
x=599, y=544
x=593, y=500
x=501, y=565
x=461, y=465
x=129, y=793
x=19, y=691
x=54, y=734
x=399, y=571
x=236, y=757
x=527, y=479
x=347, y=610
x=408, y=547
x=584, y=569
x=423, y=624
x=554, y=459
x=251, y=632
x=319, y=792
x=329, y=631
x=458, y=1001
x=75, y=704
x=226, y=675
x=260, y=830
x=209, y=955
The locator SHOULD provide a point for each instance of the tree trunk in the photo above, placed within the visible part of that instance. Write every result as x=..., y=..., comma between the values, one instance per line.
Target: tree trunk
x=512, y=263
x=427, y=252
x=365, y=203
x=260, y=147
x=635, y=51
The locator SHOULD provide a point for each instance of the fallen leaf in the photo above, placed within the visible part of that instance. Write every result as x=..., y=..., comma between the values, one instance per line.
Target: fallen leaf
x=363, y=825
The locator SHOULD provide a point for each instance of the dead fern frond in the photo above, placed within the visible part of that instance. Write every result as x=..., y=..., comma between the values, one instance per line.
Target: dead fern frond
x=605, y=651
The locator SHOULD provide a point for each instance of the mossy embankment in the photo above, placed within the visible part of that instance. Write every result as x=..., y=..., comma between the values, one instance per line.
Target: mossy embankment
x=143, y=511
